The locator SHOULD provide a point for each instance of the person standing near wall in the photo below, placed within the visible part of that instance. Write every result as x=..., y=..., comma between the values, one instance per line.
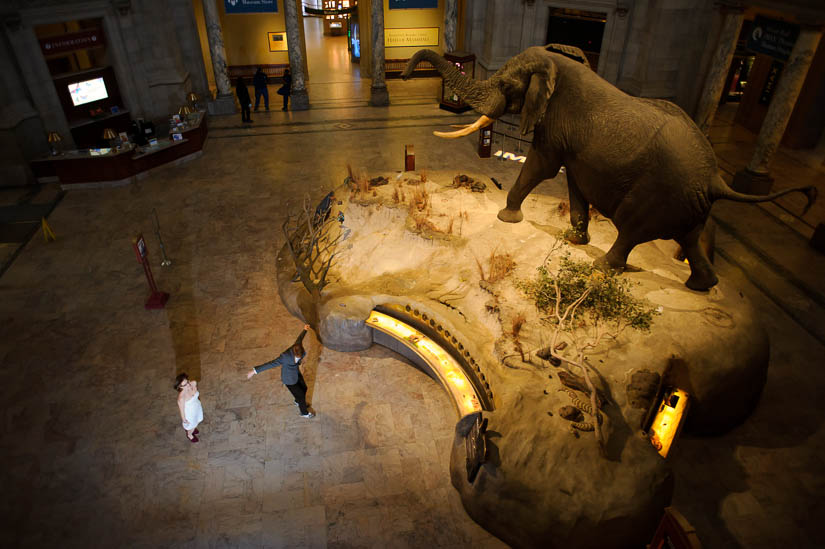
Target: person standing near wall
x=243, y=99
x=286, y=88
x=260, y=82
x=290, y=362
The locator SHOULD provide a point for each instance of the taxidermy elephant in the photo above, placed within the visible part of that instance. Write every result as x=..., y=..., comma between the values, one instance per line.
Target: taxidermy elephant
x=643, y=163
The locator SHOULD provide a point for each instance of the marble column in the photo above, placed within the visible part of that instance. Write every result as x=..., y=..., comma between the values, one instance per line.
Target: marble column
x=298, y=97
x=379, y=97
x=755, y=178
x=224, y=103
x=722, y=57
x=450, y=25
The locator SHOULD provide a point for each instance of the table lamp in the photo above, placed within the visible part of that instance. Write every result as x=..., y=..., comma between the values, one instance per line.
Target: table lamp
x=110, y=134
x=193, y=100
x=185, y=110
x=53, y=139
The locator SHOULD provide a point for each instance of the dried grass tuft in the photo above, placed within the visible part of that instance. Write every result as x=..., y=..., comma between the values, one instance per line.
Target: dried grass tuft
x=501, y=265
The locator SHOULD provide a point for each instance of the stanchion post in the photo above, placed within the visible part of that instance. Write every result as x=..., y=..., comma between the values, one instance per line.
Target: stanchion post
x=485, y=142
x=409, y=158
x=157, y=299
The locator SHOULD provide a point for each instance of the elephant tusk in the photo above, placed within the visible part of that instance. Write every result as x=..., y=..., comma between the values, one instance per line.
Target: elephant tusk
x=482, y=122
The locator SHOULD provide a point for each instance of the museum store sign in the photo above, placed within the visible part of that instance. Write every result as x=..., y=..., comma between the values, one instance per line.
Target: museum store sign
x=250, y=6
x=772, y=37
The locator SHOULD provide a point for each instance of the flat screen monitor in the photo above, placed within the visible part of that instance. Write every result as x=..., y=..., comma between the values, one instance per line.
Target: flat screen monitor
x=88, y=91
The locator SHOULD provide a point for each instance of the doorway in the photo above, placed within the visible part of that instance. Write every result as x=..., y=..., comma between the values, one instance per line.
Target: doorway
x=334, y=75
x=579, y=28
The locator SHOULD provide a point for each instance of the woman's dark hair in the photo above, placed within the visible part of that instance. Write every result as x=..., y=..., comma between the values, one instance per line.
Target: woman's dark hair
x=180, y=379
x=239, y=82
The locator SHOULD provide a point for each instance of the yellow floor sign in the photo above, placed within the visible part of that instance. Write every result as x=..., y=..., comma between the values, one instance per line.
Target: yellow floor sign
x=48, y=233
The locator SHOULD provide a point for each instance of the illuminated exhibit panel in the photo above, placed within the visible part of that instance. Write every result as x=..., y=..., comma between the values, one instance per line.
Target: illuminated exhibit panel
x=668, y=420
x=448, y=371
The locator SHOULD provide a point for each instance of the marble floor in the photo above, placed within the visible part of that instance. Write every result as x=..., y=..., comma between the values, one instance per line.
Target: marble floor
x=91, y=449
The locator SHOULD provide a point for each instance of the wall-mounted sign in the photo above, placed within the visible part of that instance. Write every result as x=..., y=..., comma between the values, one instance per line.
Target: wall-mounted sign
x=399, y=38
x=772, y=37
x=69, y=42
x=412, y=4
x=250, y=6
x=770, y=84
x=277, y=41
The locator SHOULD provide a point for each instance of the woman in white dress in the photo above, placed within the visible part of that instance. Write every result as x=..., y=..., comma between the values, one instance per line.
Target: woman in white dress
x=191, y=411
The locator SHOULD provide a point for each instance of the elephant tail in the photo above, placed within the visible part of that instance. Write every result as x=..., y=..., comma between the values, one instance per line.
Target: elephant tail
x=721, y=190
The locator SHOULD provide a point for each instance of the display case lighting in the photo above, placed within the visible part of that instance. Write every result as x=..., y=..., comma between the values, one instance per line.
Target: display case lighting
x=668, y=420
x=445, y=367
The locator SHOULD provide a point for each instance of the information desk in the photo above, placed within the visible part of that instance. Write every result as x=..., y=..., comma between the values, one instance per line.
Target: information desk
x=76, y=169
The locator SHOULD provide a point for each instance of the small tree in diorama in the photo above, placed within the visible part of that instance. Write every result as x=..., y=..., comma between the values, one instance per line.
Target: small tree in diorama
x=312, y=236
x=585, y=307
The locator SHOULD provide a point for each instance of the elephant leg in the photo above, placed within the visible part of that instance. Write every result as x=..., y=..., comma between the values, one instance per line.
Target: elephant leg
x=579, y=213
x=536, y=169
x=616, y=256
x=702, y=277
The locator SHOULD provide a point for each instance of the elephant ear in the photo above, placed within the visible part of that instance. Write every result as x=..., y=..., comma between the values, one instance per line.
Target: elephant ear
x=535, y=100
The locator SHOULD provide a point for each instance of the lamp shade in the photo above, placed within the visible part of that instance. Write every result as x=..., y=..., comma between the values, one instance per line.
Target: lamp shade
x=54, y=137
x=109, y=133
x=184, y=110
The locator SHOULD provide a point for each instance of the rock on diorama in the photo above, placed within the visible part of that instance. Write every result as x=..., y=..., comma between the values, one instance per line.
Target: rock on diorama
x=429, y=249
x=570, y=381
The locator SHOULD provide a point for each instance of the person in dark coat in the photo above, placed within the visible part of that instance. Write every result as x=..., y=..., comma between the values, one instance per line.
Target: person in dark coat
x=286, y=88
x=260, y=82
x=290, y=362
x=243, y=99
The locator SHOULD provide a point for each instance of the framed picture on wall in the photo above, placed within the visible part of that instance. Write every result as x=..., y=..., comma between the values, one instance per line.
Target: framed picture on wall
x=412, y=4
x=277, y=41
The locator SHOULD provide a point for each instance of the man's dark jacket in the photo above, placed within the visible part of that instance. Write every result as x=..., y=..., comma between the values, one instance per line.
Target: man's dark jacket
x=289, y=368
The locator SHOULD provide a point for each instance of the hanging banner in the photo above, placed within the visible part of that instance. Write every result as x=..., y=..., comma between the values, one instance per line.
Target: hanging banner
x=399, y=38
x=69, y=42
x=412, y=4
x=772, y=37
x=250, y=6
x=277, y=41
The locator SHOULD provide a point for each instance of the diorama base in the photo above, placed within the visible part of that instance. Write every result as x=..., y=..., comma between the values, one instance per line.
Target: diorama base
x=429, y=251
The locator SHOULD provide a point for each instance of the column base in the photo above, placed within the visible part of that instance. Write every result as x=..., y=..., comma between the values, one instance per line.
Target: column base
x=379, y=96
x=223, y=104
x=298, y=100
x=748, y=182
x=818, y=239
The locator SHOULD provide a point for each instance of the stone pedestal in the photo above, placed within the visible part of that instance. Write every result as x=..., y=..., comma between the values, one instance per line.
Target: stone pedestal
x=298, y=97
x=748, y=182
x=216, y=49
x=818, y=239
x=781, y=107
x=450, y=24
x=223, y=104
x=722, y=58
x=299, y=100
x=379, y=96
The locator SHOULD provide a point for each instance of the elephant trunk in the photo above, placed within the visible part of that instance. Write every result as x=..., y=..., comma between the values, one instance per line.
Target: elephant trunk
x=479, y=94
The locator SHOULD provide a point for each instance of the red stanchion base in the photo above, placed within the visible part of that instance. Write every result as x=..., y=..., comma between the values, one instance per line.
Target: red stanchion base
x=157, y=300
